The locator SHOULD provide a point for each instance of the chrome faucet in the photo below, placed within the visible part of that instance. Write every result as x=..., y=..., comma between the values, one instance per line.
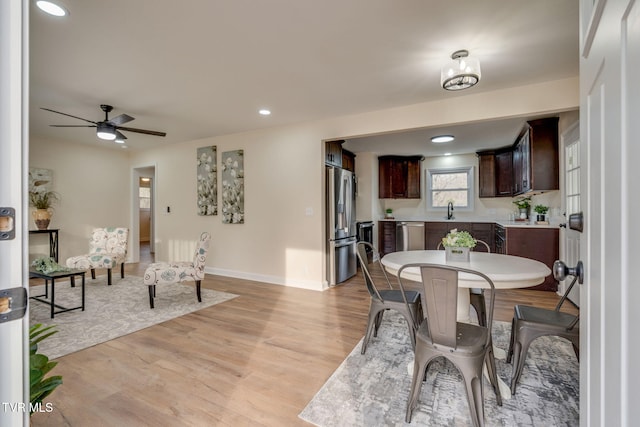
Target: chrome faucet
x=450, y=210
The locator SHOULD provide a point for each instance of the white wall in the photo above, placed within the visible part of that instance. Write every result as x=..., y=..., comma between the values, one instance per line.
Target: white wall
x=93, y=184
x=284, y=179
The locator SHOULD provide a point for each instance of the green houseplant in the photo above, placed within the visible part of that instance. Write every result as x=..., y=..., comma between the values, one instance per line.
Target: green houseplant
x=541, y=210
x=524, y=204
x=40, y=366
x=457, y=245
x=43, y=202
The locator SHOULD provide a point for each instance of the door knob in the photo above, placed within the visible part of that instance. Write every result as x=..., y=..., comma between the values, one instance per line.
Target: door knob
x=561, y=271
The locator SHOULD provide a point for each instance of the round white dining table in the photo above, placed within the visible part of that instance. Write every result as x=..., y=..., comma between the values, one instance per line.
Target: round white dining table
x=506, y=272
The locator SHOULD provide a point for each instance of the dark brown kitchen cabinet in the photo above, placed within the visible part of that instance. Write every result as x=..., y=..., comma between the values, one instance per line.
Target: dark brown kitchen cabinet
x=348, y=160
x=386, y=237
x=530, y=164
x=486, y=174
x=399, y=177
x=495, y=173
x=333, y=153
x=483, y=231
x=436, y=230
x=541, y=244
x=536, y=163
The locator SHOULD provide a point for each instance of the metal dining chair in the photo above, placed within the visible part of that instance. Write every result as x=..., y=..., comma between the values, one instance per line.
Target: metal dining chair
x=476, y=295
x=469, y=347
x=530, y=323
x=407, y=303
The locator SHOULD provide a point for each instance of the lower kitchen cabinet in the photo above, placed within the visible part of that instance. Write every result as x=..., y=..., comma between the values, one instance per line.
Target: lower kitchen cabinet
x=541, y=244
x=386, y=237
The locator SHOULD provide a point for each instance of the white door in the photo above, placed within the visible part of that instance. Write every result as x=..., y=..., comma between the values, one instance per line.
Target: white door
x=14, y=363
x=610, y=175
x=571, y=238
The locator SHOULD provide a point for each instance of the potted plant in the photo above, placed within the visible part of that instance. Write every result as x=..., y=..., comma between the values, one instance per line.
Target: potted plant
x=39, y=366
x=43, y=201
x=457, y=245
x=389, y=213
x=541, y=210
x=523, y=203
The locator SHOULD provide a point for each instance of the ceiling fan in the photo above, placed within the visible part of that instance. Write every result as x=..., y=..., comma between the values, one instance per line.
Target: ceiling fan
x=109, y=129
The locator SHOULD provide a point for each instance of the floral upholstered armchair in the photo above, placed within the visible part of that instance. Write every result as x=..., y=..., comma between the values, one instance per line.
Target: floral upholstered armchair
x=107, y=249
x=179, y=271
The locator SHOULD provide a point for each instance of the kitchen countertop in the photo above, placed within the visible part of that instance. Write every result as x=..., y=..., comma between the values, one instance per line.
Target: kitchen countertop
x=503, y=223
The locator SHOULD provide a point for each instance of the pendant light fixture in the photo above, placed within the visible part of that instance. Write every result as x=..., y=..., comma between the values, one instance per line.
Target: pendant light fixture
x=461, y=72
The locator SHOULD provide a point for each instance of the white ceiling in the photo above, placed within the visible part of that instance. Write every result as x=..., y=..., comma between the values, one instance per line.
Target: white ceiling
x=202, y=68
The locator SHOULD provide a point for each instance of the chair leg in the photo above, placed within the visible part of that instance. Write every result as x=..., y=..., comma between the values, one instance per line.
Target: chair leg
x=512, y=340
x=378, y=322
x=93, y=273
x=109, y=276
x=493, y=376
x=370, y=327
x=519, y=355
x=198, y=291
x=475, y=399
x=419, y=373
x=152, y=293
x=122, y=270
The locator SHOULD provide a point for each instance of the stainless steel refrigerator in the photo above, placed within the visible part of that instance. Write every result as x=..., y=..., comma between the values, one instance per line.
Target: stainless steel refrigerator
x=341, y=225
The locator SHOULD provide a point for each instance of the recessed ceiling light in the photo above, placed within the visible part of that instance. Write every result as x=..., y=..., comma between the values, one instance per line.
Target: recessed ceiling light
x=442, y=138
x=264, y=112
x=52, y=8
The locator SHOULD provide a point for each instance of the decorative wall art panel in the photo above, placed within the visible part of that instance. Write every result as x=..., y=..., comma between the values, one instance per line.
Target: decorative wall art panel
x=207, y=171
x=40, y=180
x=233, y=187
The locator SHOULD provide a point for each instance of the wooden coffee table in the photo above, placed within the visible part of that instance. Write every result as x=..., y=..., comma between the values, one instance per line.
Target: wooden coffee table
x=71, y=274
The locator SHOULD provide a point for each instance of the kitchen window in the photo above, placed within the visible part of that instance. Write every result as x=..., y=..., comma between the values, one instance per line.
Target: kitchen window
x=450, y=185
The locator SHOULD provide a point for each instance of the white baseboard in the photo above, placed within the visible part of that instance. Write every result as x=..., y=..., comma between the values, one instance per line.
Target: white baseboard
x=276, y=280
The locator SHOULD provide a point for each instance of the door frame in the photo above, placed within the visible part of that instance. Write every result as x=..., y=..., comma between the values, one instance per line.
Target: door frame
x=14, y=165
x=138, y=172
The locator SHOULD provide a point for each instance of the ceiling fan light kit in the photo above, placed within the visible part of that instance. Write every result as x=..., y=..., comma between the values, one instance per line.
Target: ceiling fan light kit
x=108, y=129
x=461, y=72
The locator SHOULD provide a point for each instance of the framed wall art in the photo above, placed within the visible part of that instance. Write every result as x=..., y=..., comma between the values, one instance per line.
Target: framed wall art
x=233, y=187
x=207, y=186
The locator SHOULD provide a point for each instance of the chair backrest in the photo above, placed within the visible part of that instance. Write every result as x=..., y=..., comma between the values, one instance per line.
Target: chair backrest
x=482, y=242
x=200, y=257
x=112, y=240
x=440, y=307
x=361, y=252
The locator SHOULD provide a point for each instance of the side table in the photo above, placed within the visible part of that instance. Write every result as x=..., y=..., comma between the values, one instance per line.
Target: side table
x=53, y=241
x=71, y=274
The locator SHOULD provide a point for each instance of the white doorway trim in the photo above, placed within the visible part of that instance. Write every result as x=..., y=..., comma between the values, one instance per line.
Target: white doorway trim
x=134, y=234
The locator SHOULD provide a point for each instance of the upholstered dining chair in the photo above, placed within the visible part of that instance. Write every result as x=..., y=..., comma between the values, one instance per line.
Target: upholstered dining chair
x=160, y=273
x=476, y=295
x=107, y=249
x=530, y=323
x=467, y=346
x=406, y=303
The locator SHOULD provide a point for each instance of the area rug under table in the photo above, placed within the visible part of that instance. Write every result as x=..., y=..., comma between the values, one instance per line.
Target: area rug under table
x=372, y=389
x=112, y=311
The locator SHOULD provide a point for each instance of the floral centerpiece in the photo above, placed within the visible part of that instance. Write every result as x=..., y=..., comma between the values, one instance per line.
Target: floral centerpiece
x=457, y=245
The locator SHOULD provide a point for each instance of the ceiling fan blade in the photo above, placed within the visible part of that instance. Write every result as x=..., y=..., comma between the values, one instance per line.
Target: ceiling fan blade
x=121, y=119
x=69, y=115
x=120, y=136
x=73, y=126
x=148, y=132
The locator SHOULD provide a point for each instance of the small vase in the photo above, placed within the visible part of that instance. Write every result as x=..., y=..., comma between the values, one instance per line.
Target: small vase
x=42, y=218
x=456, y=254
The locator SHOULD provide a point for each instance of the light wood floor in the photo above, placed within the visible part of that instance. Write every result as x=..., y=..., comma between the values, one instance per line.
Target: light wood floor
x=255, y=360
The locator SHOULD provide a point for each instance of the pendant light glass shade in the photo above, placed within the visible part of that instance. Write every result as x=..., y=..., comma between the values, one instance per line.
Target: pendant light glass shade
x=106, y=131
x=461, y=72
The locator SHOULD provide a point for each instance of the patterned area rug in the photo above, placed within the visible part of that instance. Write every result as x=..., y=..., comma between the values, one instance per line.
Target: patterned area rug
x=372, y=389
x=112, y=311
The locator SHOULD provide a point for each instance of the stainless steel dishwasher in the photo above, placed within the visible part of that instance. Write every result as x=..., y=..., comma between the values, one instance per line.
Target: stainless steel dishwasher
x=409, y=235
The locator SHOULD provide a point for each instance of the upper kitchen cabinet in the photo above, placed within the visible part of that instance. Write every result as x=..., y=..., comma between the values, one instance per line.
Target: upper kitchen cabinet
x=399, y=177
x=495, y=171
x=530, y=164
x=348, y=160
x=536, y=164
x=333, y=153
